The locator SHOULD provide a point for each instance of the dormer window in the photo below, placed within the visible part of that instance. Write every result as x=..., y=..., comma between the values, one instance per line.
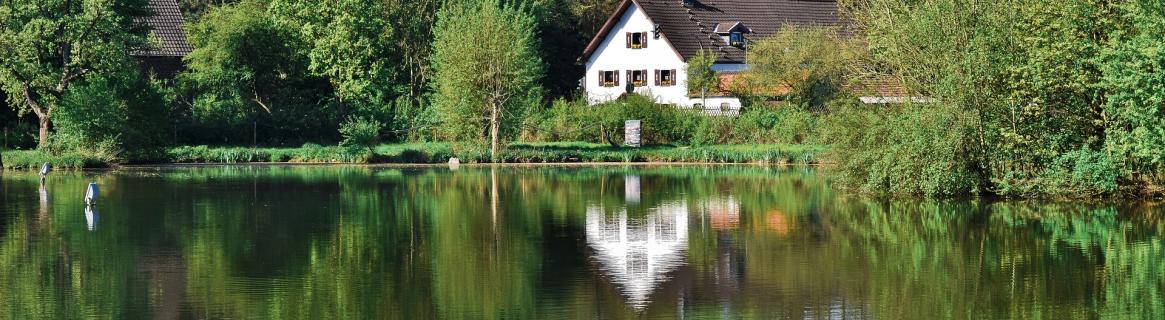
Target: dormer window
x=736, y=39
x=732, y=33
x=637, y=40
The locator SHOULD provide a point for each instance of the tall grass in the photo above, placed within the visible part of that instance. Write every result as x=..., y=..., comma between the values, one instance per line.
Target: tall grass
x=32, y=159
x=553, y=152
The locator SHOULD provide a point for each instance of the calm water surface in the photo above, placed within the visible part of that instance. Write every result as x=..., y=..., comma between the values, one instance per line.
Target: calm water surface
x=556, y=243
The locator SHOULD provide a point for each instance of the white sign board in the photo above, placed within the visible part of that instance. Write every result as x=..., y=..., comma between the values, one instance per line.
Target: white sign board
x=631, y=136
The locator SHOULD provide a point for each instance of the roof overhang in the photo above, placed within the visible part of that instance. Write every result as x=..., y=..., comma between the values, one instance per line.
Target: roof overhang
x=607, y=26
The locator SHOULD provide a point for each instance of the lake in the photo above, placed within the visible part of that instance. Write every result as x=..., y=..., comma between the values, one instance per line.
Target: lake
x=537, y=242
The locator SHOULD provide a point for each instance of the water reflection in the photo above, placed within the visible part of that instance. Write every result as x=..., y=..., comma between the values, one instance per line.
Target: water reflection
x=90, y=218
x=637, y=253
x=273, y=242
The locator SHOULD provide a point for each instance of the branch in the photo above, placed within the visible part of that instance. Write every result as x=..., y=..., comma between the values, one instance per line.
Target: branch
x=27, y=91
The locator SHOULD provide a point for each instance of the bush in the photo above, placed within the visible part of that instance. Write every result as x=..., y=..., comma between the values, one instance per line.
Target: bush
x=113, y=114
x=712, y=130
x=360, y=133
x=1079, y=173
x=604, y=122
x=915, y=150
x=564, y=120
x=783, y=123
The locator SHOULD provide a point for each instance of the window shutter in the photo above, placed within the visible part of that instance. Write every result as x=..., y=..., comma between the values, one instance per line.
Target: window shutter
x=630, y=78
x=600, y=77
x=616, y=72
x=656, y=77
x=644, y=39
x=628, y=40
x=673, y=77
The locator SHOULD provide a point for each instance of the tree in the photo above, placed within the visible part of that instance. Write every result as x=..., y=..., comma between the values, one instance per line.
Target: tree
x=486, y=69
x=246, y=72
x=701, y=77
x=118, y=111
x=47, y=45
x=810, y=62
x=1134, y=79
x=1019, y=78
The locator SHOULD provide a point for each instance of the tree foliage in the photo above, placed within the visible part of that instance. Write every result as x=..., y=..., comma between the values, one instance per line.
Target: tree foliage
x=701, y=78
x=1022, y=75
x=1134, y=80
x=125, y=111
x=244, y=71
x=486, y=69
x=811, y=63
x=48, y=45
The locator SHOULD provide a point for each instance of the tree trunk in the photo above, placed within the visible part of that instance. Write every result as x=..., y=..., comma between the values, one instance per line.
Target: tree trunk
x=44, y=131
x=493, y=132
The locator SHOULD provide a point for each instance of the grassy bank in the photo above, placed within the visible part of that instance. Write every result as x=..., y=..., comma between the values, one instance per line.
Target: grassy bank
x=441, y=152
x=32, y=159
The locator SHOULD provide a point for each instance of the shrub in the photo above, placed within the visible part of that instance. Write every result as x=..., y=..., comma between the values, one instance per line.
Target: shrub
x=113, y=114
x=360, y=133
x=917, y=150
x=712, y=130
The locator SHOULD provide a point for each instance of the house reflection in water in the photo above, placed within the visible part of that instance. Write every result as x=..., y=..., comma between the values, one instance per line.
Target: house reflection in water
x=636, y=253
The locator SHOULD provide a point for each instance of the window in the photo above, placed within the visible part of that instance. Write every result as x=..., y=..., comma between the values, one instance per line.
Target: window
x=725, y=107
x=665, y=78
x=736, y=39
x=608, y=78
x=638, y=77
x=637, y=40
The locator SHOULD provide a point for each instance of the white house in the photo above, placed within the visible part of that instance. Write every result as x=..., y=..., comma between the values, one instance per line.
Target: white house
x=645, y=45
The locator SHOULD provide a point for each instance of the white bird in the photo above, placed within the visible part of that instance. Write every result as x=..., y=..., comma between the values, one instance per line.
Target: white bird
x=91, y=194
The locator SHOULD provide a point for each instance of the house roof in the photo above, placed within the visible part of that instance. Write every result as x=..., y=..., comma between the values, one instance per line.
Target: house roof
x=166, y=28
x=690, y=29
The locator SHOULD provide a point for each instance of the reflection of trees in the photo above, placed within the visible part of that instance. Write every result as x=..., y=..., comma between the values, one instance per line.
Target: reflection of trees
x=353, y=242
x=636, y=254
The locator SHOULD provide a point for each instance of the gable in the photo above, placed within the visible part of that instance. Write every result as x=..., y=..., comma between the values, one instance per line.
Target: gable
x=629, y=13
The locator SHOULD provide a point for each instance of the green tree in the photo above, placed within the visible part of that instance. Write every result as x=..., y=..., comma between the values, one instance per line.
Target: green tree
x=1134, y=80
x=374, y=53
x=1018, y=78
x=486, y=77
x=812, y=63
x=48, y=45
x=122, y=110
x=246, y=71
x=701, y=77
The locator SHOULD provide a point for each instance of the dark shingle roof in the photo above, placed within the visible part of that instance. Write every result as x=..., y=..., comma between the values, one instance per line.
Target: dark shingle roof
x=166, y=30
x=690, y=29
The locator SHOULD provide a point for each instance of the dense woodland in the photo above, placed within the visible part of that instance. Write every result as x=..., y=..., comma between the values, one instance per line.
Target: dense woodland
x=1022, y=98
